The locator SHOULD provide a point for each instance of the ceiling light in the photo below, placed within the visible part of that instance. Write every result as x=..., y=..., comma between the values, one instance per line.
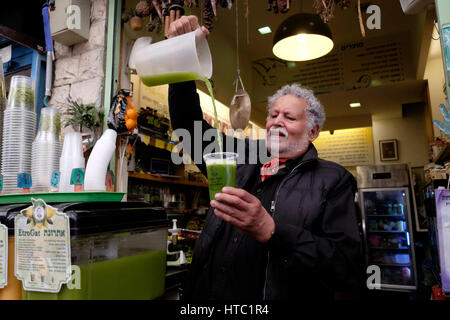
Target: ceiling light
x=301, y=37
x=264, y=30
x=355, y=105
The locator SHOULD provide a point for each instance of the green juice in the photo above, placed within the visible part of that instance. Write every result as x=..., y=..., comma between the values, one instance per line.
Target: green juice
x=169, y=78
x=221, y=173
x=138, y=277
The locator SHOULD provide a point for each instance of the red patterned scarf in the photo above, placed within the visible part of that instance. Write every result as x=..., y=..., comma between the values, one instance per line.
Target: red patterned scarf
x=272, y=167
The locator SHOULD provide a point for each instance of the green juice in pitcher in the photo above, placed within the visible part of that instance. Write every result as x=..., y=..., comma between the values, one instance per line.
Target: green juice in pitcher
x=167, y=78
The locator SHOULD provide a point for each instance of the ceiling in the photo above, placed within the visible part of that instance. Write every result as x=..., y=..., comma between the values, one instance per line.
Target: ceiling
x=345, y=28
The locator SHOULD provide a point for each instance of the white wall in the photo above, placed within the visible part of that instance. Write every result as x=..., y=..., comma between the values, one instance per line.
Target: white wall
x=410, y=133
x=79, y=70
x=434, y=73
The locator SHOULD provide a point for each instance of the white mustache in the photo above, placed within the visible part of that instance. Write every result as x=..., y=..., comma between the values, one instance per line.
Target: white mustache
x=279, y=131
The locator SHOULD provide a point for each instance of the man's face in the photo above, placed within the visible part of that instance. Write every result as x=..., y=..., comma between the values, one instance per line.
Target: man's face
x=287, y=127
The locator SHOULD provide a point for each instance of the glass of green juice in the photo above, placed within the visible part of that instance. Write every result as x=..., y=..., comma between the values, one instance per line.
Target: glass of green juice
x=221, y=171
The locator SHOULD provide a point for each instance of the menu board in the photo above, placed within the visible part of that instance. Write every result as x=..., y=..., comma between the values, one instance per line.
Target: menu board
x=348, y=147
x=3, y=256
x=350, y=66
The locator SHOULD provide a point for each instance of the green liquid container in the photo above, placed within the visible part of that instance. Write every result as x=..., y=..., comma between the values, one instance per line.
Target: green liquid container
x=119, y=249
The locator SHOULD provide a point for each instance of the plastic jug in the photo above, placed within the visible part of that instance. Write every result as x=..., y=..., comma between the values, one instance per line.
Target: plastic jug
x=182, y=58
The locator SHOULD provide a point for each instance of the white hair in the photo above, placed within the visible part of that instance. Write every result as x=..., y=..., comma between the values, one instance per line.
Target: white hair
x=314, y=109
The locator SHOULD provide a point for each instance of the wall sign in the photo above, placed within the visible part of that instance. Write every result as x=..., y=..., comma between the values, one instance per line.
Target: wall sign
x=348, y=147
x=350, y=66
x=42, y=248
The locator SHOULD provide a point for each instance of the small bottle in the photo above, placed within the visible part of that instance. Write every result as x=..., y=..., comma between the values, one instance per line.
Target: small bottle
x=395, y=208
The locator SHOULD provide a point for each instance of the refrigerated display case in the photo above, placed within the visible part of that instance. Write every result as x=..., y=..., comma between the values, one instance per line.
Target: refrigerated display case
x=384, y=198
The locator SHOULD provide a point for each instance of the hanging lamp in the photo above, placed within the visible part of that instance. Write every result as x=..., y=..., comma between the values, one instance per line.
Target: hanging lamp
x=301, y=37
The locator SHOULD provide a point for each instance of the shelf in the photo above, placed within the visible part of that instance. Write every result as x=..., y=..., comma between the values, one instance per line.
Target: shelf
x=178, y=211
x=389, y=249
x=156, y=178
x=386, y=216
x=379, y=231
x=158, y=142
x=443, y=156
x=392, y=264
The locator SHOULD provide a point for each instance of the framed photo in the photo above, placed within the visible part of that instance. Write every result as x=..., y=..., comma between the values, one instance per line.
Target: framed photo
x=388, y=150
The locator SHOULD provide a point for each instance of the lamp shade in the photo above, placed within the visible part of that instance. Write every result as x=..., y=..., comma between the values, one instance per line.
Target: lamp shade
x=301, y=37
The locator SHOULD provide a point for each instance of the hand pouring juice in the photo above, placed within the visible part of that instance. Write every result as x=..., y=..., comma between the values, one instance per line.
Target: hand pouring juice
x=184, y=58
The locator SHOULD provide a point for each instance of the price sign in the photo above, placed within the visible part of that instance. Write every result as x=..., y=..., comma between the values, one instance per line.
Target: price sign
x=1, y=183
x=54, y=181
x=77, y=177
x=24, y=180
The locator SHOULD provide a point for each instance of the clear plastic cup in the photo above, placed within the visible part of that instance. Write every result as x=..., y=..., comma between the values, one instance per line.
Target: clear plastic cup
x=21, y=93
x=182, y=58
x=50, y=120
x=72, y=146
x=221, y=171
x=71, y=157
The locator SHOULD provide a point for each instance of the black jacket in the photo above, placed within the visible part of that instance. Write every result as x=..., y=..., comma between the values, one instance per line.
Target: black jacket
x=315, y=250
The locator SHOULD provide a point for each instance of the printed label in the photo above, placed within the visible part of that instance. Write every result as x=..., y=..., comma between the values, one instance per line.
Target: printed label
x=54, y=181
x=3, y=256
x=1, y=182
x=24, y=180
x=42, y=244
x=77, y=176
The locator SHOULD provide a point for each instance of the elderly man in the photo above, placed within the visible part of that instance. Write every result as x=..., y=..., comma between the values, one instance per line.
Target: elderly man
x=289, y=233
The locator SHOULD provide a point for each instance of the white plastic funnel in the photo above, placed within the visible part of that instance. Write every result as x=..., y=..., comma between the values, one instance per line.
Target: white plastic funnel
x=95, y=175
x=182, y=58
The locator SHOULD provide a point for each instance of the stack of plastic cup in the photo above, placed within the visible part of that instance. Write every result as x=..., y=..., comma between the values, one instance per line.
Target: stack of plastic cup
x=2, y=102
x=71, y=158
x=19, y=126
x=46, y=150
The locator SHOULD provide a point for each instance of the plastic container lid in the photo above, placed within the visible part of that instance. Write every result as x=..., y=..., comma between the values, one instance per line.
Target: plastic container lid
x=99, y=217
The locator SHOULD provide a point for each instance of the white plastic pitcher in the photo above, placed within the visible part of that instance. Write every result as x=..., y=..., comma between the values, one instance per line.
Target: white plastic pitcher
x=181, y=58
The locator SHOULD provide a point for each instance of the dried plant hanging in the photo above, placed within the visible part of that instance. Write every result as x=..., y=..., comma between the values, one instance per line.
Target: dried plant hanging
x=276, y=6
x=247, y=14
x=361, y=23
x=325, y=8
x=208, y=14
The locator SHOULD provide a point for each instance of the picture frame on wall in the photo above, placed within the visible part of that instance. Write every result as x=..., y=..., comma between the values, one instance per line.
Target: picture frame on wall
x=388, y=150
